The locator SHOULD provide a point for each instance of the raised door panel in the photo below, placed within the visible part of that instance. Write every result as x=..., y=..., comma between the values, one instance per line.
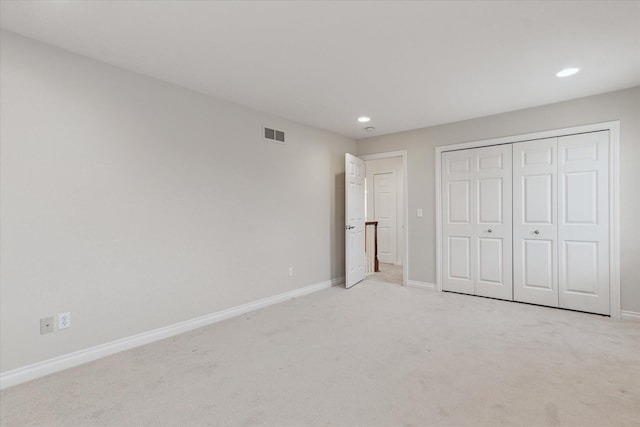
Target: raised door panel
x=581, y=198
x=580, y=262
x=459, y=254
x=537, y=199
x=583, y=212
x=535, y=261
x=490, y=261
x=459, y=201
x=458, y=250
x=490, y=200
x=492, y=222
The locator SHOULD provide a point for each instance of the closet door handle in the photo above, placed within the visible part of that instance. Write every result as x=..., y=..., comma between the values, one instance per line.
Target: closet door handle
x=489, y=231
x=536, y=232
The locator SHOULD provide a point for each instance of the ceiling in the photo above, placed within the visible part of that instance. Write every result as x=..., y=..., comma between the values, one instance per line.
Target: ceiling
x=406, y=65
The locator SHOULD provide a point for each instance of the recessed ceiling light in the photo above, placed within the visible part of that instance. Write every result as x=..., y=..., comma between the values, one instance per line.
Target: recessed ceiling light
x=567, y=72
x=363, y=119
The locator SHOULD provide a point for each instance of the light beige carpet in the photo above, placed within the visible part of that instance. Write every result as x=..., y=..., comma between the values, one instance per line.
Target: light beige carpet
x=374, y=355
x=389, y=273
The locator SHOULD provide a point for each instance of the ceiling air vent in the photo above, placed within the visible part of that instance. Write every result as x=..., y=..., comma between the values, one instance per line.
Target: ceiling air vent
x=273, y=135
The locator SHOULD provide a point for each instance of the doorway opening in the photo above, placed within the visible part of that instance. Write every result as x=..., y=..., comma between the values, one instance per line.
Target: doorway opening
x=386, y=204
x=389, y=273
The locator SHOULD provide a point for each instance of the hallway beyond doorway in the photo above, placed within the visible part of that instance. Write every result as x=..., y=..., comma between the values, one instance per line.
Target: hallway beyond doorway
x=390, y=273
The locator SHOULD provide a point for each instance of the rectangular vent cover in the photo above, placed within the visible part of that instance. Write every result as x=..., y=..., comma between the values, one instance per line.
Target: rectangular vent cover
x=274, y=135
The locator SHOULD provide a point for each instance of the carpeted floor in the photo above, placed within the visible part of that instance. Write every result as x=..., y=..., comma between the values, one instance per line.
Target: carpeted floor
x=389, y=273
x=374, y=355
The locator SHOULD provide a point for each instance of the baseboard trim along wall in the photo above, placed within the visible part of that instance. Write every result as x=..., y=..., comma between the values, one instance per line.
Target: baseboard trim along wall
x=421, y=285
x=66, y=361
x=629, y=315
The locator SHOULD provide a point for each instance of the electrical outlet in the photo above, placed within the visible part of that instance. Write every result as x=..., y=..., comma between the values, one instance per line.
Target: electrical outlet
x=64, y=320
x=290, y=271
x=46, y=325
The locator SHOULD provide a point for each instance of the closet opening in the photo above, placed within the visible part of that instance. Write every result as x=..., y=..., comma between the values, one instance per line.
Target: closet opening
x=532, y=218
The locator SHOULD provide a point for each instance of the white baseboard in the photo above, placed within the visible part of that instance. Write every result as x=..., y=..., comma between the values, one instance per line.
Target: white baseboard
x=421, y=285
x=46, y=367
x=629, y=315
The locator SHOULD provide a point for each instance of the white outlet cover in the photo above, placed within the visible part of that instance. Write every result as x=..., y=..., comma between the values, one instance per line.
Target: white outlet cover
x=64, y=320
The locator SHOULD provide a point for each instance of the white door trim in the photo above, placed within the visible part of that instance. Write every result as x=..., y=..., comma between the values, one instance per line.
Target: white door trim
x=614, y=194
x=405, y=202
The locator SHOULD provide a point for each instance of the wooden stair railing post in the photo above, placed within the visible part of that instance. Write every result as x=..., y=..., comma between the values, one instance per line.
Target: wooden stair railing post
x=376, y=266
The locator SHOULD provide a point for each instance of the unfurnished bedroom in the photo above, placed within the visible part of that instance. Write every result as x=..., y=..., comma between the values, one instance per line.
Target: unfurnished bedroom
x=319, y=213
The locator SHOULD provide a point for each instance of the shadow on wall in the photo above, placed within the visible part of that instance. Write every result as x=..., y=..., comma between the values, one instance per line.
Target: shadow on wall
x=336, y=231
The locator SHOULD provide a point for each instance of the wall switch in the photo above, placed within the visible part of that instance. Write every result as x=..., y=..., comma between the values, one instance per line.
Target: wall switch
x=290, y=271
x=64, y=320
x=419, y=212
x=46, y=325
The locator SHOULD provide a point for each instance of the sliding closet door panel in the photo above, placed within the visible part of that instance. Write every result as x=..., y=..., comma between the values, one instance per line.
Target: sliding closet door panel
x=492, y=222
x=535, y=228
x=583, y=214
x=457, y=221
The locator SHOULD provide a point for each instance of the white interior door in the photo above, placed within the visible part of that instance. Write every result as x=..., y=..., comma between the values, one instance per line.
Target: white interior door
x=384, y=211
x=492, y=222
x=583, y=217
x=535, y=227
x=354, y=220
x=457, y=225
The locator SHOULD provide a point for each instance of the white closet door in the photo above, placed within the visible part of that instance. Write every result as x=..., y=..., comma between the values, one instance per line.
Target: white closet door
x=477, y=221
x=583, y=215
x=492, y=222
x=535, y=261
x=457, y=223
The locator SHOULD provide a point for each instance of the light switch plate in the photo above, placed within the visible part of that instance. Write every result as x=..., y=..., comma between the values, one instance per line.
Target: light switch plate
x=46, y=325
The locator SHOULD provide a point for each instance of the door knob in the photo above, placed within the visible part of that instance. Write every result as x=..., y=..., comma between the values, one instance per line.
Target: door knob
x=536, y=232
x=349, y=227
x=489, y=231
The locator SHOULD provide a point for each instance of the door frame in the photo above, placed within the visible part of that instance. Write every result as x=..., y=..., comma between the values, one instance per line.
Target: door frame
x=614, y=194
x=405, y=202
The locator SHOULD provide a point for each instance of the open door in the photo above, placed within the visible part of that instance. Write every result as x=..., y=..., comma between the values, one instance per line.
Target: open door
x=354, y=220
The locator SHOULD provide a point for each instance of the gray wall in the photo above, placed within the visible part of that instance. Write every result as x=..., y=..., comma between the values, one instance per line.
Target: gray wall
x=135, y=204
x=621, y=105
